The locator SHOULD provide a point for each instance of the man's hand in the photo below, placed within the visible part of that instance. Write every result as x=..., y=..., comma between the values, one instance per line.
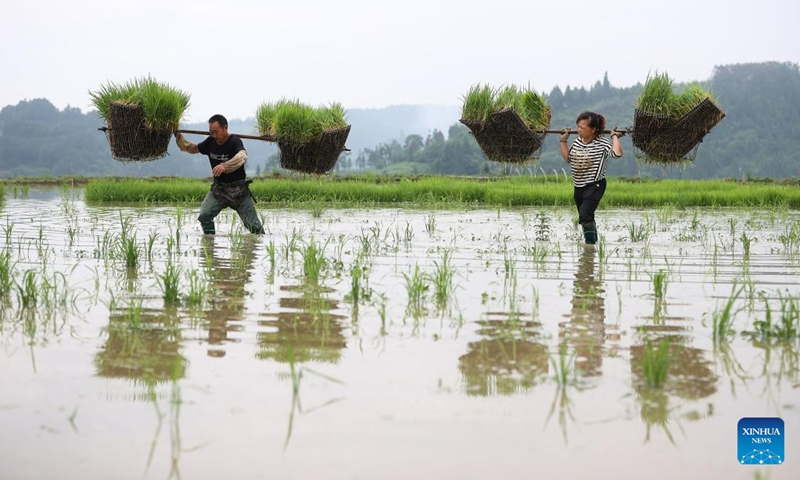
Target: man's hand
x=218, y=170
x=183, y=144
x=617, y=133
x=565, y=135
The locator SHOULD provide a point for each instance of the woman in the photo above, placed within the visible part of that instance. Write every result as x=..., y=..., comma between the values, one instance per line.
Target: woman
x=588, y=159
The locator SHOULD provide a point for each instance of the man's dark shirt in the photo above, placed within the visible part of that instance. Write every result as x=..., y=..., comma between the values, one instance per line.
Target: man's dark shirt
x=222, y=153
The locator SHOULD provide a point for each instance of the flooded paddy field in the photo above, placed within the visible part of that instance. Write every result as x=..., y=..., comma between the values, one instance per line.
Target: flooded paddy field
x=393, y=343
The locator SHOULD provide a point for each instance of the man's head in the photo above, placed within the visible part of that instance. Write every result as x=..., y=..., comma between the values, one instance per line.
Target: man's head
x=218, y=128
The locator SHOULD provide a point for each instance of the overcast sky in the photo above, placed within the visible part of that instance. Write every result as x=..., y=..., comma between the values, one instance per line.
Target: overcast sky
x=233, y=54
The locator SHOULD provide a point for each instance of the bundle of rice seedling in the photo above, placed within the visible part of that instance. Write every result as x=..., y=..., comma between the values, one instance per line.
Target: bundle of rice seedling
x=310, y=139
x=668, y=127
x=507, y=123
x=140, y=116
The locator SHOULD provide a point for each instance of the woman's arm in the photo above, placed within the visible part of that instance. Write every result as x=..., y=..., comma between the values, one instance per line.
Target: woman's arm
x=616, y=146
x=564, y=146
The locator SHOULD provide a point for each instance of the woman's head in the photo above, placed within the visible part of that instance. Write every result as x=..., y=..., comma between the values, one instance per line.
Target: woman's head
x=590, y=125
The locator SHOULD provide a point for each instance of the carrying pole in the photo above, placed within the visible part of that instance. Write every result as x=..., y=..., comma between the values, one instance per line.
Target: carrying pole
x=265, y=138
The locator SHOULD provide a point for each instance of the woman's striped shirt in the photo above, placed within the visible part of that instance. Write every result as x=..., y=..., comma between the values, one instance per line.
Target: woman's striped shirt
x=588, y=161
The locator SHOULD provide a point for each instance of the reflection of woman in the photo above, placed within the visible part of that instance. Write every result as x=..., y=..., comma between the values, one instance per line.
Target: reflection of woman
x=586, y=329
x=588, y=159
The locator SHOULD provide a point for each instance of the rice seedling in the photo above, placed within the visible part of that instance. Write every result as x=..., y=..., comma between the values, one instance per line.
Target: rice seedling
x=658, y=97
x=722, y=319
x=317, y=209
x=163, y=105
x=660, y=282
x=359, y=283
x=430, y=223
x=562, y=366
x=6, y=273
x=169, y=281
x=28, y=290
x=293, y=121
x=638, y=232
x=745, y=241
x=480, y=101
x=655, y=363
x=538, y=254
x=689, y=98
x=198, y=288
x=314, y=260
x=787, y=327
x=509, y=263
x=416, y=288
x=442, y=280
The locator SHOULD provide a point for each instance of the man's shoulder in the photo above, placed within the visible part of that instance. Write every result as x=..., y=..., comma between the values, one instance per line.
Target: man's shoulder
x=234, y=139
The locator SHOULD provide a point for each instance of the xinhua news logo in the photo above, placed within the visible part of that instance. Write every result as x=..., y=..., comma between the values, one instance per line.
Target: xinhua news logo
x=761, y=441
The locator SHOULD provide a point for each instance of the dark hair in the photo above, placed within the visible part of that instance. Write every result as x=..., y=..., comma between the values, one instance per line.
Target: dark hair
x=595, y=121
x=223, y=122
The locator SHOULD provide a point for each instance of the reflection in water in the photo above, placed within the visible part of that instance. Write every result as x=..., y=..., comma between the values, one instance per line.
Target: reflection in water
x=586, y=330
x=507, y=360
x=689, y=376
x=143, y=345
x=305, y=325
x=228, y=277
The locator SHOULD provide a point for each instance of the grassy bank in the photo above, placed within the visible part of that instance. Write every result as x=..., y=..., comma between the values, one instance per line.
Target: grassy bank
x=513, y=191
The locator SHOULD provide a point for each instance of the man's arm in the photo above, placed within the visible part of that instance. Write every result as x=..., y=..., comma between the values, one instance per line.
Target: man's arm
x=231, y=165
x=185, y=145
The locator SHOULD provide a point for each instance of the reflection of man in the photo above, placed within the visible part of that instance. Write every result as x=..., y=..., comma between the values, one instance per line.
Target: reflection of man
x=586, y=329
x=227, y=156
x=228, y=278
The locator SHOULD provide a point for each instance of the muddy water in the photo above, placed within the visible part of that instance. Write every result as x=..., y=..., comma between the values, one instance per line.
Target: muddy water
x=275, y=372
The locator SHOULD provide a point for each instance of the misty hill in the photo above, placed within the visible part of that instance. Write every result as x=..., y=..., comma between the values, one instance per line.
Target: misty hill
x=758, y=136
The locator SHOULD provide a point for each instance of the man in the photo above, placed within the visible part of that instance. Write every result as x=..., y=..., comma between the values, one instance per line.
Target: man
x=230, y=188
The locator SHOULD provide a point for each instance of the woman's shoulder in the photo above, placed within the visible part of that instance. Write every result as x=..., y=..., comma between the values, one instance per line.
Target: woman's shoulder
x=603, y=140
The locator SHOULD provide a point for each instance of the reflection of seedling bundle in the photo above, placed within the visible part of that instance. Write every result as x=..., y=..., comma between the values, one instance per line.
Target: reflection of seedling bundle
x=668, y=127
x=310, y=139
x=143, y=346
x=507, y=123
x=140, y=116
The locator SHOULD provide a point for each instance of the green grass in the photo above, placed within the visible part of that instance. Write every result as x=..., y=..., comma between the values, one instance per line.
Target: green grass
x=658, y=97
x=162, y=104
x=482, y=100
x=444, y=191
x=294, y=121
